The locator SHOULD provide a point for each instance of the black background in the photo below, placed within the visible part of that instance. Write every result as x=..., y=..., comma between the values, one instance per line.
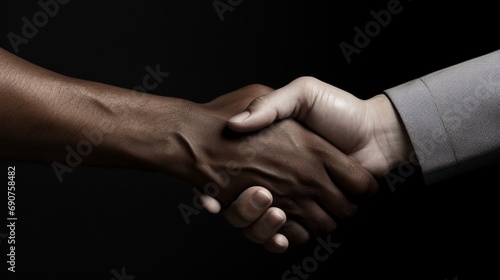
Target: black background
x=100, y=219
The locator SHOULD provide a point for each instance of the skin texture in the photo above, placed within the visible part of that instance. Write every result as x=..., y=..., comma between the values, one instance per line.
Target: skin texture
x=370, y=131
x=45, y=112
x=272, y=158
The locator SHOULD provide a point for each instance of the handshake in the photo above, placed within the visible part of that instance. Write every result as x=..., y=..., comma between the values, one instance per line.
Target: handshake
x=289, y=163
x=282, y=164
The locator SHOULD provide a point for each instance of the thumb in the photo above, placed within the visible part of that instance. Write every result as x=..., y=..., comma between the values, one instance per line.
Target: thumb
x=276, y=105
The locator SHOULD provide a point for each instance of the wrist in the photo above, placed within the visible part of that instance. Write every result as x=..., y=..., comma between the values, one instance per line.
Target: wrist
x=153, y=132
x=390, y=133
x=138, y=130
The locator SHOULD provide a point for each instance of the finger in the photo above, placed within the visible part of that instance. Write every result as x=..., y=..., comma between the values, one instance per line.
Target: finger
x=341, y=175
x=315, y=218
x=295, y=233
x=265, y=226
x=210, y=204
x=248, y=207
x=310, y=213
x=336, y=203
x=277, y=244
x=279, y=104
x=349, y=175
x=346, y=182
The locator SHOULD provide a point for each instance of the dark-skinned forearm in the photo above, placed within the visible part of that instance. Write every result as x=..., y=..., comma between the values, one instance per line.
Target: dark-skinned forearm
x=48, y=117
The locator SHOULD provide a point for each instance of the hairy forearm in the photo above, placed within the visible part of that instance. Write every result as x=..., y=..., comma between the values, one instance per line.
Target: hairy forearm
x=47, y=117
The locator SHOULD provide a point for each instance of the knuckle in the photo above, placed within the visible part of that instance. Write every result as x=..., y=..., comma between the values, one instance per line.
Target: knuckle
x=306, y=81
x=259, y=101
x=259, y=88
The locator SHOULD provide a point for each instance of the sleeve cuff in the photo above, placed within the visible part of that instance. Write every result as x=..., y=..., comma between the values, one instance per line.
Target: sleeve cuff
x=415, y=104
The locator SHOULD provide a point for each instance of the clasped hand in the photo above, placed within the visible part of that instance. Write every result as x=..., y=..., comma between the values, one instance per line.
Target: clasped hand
x=306, y=155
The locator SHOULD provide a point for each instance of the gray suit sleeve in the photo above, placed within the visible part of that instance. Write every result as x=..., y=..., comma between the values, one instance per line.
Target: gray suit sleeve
x=452, y=117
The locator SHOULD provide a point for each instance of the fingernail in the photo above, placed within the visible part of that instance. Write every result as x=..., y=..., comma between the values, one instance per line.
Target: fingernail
x=260, y=199
x=273, y=220
x=281, y=241
x=240, y=117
